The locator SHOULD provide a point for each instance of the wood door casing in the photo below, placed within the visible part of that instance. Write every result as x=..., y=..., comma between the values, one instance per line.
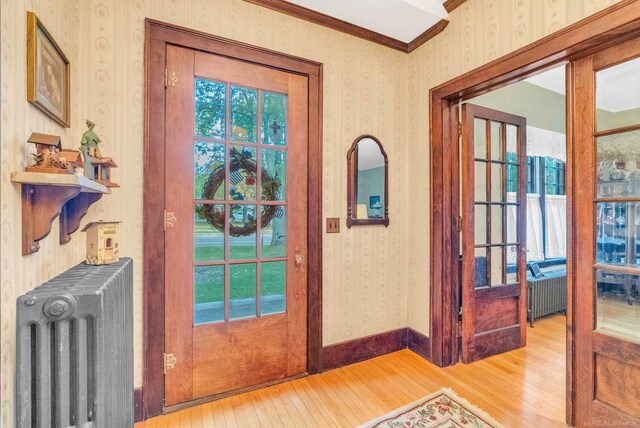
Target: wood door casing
x=607, y=367
x=493, y=318
x=224, y=356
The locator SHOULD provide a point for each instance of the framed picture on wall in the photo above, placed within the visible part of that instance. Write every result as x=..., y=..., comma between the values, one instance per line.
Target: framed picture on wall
x=47, y=73
x=374, y=202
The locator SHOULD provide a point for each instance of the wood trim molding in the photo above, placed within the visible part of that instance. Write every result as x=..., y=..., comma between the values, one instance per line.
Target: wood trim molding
x=157, y=36
x=324, y=20
x=137, y=405
x=606, y=28
x=364, y=348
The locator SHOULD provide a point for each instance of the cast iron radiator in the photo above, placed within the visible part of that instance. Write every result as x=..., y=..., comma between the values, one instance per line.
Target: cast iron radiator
x=74, y=349
x=546, y=295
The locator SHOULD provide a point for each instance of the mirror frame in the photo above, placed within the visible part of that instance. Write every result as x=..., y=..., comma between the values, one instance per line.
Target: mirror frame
x=352, y=185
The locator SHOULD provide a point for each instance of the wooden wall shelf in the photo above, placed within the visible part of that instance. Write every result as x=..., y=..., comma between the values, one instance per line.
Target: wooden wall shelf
x=47, y=196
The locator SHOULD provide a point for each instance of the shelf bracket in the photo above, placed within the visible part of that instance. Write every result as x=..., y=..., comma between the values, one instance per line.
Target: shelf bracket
x=73, y=211
x=41, y=204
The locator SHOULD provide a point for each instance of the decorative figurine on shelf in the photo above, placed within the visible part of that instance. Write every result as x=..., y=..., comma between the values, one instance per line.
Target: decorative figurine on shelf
x=48, y=154
x=96, y=167
x=102, y=242
x=89, y=148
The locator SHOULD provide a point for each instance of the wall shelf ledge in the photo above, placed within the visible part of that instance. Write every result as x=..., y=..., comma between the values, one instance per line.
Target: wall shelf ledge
x=47, y=196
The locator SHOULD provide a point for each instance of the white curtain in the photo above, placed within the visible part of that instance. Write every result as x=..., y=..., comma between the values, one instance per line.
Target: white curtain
x=556, y=225
x=535, y=252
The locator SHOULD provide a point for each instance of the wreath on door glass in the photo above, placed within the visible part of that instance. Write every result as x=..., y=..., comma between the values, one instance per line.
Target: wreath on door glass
x=242, y=163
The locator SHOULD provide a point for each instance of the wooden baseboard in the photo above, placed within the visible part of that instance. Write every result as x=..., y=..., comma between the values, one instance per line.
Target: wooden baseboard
x=419, y=343
x=138, y=415
x=363, y=348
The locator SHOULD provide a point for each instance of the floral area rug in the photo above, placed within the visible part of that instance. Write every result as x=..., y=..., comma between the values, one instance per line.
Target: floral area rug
x=442, y=409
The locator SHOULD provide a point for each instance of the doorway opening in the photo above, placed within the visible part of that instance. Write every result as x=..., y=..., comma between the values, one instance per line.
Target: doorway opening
x=513, y=237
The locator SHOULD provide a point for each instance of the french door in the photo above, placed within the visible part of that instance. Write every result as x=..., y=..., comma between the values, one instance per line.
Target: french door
x=236, y=225
x=607, y=236
x=493, y=232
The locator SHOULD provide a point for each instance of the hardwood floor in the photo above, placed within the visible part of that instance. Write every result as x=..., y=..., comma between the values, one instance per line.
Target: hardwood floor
x=522, y=388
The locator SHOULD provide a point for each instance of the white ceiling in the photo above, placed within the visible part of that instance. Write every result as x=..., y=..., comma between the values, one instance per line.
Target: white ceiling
x=402, y=20
x=617, y=88
x=369, y=155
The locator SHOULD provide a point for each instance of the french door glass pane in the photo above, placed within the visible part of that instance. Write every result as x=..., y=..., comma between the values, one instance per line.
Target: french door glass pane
x=480, y=175
x=208, y=160
x=497, y=266
x=244, y=112
x=273, y=235
x=242, y=290
x=496, y=224
x=274, y=119
x=480, y=265
x=498, y=193
x=242, y=174
x=496, y=141
x=480, y=224
x=242, y=231
x=617, y=313
x=210, y=98
x=512, y=141
x=480, y=138
x=619, y=164
x=618, y=95
x=618, y=233
x=274, y=164
x=273, y=276
x=208, y=294
x=208, y=240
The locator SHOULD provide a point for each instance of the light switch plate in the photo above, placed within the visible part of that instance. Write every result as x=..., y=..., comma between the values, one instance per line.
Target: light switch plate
x=333, y=225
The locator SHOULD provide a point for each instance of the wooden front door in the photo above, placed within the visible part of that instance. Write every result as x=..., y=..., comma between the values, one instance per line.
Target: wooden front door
x=236, y=225
x=606, y=182
x=493, y=232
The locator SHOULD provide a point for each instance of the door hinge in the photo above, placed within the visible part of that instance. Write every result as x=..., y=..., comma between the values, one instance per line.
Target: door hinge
x=170, y=78
x=459, y=129
x=458, y=224
x=170, y=219
x=170, y=361
x=459, y=328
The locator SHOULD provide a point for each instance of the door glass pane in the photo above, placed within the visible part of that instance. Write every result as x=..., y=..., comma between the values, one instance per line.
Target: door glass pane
x=208, y=232
x=211, y=116
x=274, y=118
x=242, y=232
x=619, y=164
x=497, y=192
x=496, y=142
x=274, y=235
x=480, y=138
x=244, y=112
x=512, y=273
x=479, y=184
x=496, y=224
x=242, y=290
x=512, y=141
x=618, y=95
x=209, y=171
x=208, y=294
x=496, y=266
x=480, y=265
x=617, y=312
x=272, y=287
x=617, y=233
x=274, y=177
x=480, y=224
x=242, y=174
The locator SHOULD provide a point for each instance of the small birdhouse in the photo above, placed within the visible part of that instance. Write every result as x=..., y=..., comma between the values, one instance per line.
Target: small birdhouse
x=102, y=242
x=47, y=156
x=102, y=170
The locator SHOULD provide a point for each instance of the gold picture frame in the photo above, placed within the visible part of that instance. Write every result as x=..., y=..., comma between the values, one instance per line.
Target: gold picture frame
x=48, y=80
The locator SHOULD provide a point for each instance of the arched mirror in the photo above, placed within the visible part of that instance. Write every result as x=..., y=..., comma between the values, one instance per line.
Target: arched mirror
x=368, y=190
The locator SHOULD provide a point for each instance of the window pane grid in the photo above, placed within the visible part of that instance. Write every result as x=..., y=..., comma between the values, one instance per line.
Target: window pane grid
x=231, y=133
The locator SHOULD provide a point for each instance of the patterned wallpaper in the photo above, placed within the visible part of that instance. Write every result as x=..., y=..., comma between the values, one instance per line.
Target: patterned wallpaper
x=479, y=32
x=375, y=278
